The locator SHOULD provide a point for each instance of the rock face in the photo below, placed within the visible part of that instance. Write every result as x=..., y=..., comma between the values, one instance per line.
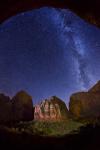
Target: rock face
x=51, y=109
x=86, y=104
x=5, y=109
x=22, y=107
x=95, y=88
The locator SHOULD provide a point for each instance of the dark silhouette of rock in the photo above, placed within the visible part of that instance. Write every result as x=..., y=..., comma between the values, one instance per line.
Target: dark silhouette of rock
x=87, y=9
x=86, y=104
x=22, y=107
x=5, y=109
x=51, y=109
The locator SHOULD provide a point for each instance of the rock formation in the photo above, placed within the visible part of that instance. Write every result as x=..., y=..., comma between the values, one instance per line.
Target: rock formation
x=82, y=105
x=95, y=88
x=5, y=109
x=89, y=9
x=22, y=107
x=51, y=109
x=86, y=104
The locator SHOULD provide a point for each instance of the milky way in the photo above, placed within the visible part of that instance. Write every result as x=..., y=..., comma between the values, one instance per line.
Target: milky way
x=48, y=52
x=78, y=49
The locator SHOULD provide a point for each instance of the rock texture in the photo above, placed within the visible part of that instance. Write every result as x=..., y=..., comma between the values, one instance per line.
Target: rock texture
x=5, y=109
x=95, y=88
x=51, y=109
x=86, y=104
x=22, y=107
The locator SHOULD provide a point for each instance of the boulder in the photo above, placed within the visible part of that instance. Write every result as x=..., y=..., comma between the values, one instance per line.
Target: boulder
x=51, y=109
x=22, y=107
x=86, y=104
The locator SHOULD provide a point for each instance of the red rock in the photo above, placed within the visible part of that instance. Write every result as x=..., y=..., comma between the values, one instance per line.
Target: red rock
x=86, y=104
x=51, y=109
x=22, y=107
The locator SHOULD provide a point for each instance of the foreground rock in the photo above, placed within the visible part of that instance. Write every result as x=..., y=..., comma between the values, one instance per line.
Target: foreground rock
x=51, y=109
x=86, y=104
x=22, y=107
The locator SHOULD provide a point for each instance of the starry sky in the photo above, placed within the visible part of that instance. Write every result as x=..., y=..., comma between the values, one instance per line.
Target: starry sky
x=48, y=52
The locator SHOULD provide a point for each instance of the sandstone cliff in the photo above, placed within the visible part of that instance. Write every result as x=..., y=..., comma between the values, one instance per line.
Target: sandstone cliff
x=22, y=107
x=86, y=104
x=5, y=109
x=51, y=109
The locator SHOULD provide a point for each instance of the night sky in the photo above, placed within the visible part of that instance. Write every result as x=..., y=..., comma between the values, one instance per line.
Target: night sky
x=48, y=52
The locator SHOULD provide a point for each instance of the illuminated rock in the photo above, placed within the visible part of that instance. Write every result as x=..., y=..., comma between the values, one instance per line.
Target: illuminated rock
x=51, y=109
